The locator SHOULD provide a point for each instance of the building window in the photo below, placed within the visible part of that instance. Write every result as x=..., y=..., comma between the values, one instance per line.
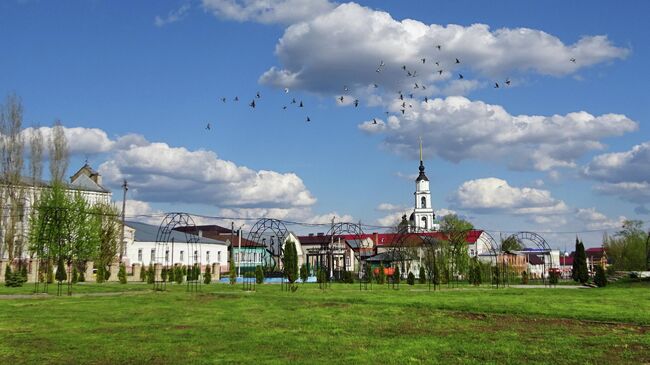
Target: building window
x=425, y=223
x=207, y=256
x=219, y=256
x=423, y=202
x=153, y=255
x=196, y=256
x=182, y=252
x=140, y=254
x=167, y=256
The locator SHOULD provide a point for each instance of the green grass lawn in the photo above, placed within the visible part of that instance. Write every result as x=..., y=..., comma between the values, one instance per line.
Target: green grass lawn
x=224, y=324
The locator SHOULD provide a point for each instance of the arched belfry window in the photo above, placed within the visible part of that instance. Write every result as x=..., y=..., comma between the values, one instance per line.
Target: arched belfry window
x=423, y=202
x=425, y=223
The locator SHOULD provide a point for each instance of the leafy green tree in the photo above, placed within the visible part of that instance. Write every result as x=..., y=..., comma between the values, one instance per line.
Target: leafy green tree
x=600, y=278
x=422, y=279
x=207, y=275
x=259, y=274
x=512, y=243
x=290, y=261
x=121, y=274
x=627, y=249
x=410, y=279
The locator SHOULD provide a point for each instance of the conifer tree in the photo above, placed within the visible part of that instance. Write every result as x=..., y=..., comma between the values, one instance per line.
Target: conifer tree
x=290, y=261
x=207, y=275
x=233, y=272
x=143, y=273
x=75, y=274
x=121, y=274
x=396, y=275
x=259, y=275
x=410, y=279
x=423, y=276
x=381, y=275
x=600, y=279
x=9, y=277
x=580, y=271
x=304, y=273
x=61, y=275
x=178, y=275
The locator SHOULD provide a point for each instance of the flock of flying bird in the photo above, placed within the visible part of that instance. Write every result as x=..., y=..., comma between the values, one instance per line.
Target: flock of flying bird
x=409, y=73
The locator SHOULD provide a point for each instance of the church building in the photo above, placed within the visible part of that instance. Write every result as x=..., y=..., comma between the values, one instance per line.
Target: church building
x=423, y=216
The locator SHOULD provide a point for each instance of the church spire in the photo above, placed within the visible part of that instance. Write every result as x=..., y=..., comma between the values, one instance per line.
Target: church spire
x=422, y=176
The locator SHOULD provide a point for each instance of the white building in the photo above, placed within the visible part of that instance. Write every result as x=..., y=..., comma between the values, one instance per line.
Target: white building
x=85, y=181
x=140, y=239
x=423, y=215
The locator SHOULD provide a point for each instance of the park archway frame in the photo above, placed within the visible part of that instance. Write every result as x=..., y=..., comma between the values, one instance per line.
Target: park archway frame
x=165, y=242
x=265, y=245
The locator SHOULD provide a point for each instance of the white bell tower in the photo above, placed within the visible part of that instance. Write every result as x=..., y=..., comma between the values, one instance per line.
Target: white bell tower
x=423, y=215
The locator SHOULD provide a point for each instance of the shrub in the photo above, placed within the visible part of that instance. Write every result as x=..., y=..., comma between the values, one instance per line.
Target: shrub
x=151, y=274
x=207, y=275
x=9, y=277
x=600, y=279
x=143, y=273
x=410, y=279
x=121, y=274
x=347, y=277
x=23, y=274
x=381, y=275
x=163, y=274
x=75, y=274
x=553, y=277
x=304, y=273
x=524, y=277
x=60, y=271
x=178, y=274
x=422, y=279
x=259, y=275
x=171, y=274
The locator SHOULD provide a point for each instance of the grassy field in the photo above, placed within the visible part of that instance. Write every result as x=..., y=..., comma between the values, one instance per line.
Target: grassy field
x=223, y=324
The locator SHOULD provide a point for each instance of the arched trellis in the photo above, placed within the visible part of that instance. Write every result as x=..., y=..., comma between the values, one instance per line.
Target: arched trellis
x=540, y=247
x=335, y=250
x=165, y=246
x=264, y=247
x=426, y=246
x=52, y=236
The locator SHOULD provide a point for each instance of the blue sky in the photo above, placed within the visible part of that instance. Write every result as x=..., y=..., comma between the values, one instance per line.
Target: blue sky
x=140, y=80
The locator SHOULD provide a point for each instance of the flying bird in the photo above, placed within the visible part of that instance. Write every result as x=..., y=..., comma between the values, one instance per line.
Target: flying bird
x=403, y=111
x=409, y=73
x=424, y=87
x=460, y=76
x=573, y=60
x=223, y=100
x=440, y=72
x=496, y=85
x=403, y=104
x=374, y=121
x=284, y=107
x=252, y=104
x=404, y=67
x=286, y=90
x=341, y=98
x=258, y=95
x=401, y=97
x=236, y=98
x=439, y=47
x=426, y=99
x=424, y=60
x=208, y=127
x=411, y=96
x=300, y=104
x=356, y=103
x=309, y=120
x=457, y=60
x=508, y=82
x=293, y=100
x=346, y=89
x=375, y=85
x=437, y=63
x=416, y=86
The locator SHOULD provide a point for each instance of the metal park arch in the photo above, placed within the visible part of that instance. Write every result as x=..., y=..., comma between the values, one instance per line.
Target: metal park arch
x=264, y=247
x=333, y=254
x=536, y=245
x=165, y=242
x=429, y=248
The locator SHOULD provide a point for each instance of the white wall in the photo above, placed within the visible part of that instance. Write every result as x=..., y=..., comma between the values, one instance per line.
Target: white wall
x=218, y=253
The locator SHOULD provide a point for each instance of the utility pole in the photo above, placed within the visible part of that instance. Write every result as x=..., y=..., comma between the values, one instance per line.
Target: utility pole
x=239, y=249
x=125, y=187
